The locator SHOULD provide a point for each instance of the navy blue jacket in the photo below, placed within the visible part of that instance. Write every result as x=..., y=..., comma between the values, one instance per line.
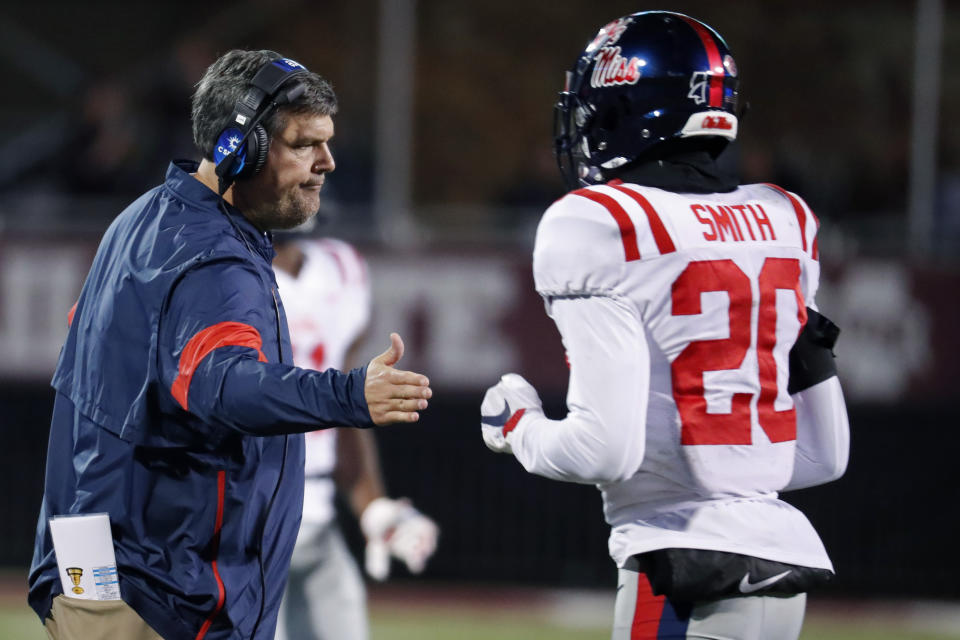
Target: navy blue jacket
x=175, y=402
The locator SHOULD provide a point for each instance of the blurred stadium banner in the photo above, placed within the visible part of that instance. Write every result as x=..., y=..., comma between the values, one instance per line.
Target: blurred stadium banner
x=467, y=317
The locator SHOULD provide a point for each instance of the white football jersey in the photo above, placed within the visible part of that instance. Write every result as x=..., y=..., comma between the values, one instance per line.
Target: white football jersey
x=678, y=312
x=328, y=308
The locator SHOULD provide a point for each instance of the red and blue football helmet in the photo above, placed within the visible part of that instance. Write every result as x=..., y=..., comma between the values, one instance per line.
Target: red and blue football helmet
x=646, y=79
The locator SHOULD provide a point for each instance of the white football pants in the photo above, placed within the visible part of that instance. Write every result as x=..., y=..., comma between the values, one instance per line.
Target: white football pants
x=325, y=597
x=640, y=615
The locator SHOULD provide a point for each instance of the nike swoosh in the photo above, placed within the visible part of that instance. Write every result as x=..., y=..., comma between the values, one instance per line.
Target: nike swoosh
x=620, y=586
x=747, y=587
x=498, y=420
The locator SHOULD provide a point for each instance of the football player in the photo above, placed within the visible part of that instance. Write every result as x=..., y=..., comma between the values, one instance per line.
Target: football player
x=326, y=295
x=702, y=381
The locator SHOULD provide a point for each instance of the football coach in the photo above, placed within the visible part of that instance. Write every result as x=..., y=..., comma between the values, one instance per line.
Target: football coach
x=178, y=411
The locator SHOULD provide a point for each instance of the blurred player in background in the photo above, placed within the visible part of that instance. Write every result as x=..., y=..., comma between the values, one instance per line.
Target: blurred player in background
x=702, y=380
x=326, y=294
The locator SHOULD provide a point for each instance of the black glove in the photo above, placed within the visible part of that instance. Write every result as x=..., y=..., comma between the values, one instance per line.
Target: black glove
x=812, y=357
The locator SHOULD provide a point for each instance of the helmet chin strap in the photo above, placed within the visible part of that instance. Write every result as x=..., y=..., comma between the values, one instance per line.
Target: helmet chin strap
x=589, y=175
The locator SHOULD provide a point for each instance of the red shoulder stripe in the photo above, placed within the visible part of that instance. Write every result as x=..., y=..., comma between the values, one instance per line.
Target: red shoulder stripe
x=628, y=233
x=660, y=234
x=815, y=250
x=797, y=208
x=222, y=334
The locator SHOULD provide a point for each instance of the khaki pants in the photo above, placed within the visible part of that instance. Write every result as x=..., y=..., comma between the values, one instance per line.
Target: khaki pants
x=76, y=619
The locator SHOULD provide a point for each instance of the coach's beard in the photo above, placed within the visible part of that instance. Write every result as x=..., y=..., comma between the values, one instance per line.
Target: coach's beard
x=293, y=208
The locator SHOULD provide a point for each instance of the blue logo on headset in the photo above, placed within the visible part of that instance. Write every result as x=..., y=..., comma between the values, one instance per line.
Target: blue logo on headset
x=227, y=144
x=289, y=65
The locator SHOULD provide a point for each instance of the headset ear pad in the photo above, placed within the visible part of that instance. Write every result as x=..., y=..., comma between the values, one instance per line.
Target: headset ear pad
x=258, y=144
x=235, y=163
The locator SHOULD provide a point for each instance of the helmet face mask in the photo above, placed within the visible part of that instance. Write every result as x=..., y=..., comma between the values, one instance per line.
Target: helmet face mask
x=645, y=79
x=571, y=148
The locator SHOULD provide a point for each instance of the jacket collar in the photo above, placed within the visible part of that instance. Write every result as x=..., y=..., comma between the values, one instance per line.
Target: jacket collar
x=188, y=188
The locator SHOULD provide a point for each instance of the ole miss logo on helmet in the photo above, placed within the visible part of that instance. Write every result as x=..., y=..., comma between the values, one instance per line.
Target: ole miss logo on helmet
x=612, y=69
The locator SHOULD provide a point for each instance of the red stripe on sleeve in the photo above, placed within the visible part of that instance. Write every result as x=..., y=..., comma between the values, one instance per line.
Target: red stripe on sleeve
x=222, y=334
x=713, y=58
x=628, y=233
x=797, y=208
x=70, y=314
x=647, y=612
x=221, y=590
x=660, y=234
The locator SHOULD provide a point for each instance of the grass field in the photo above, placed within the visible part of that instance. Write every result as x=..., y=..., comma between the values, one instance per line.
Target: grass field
x=459, y=625
x=411, y=612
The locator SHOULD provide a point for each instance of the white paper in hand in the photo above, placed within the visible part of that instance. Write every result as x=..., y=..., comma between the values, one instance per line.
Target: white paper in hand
x=84, y=548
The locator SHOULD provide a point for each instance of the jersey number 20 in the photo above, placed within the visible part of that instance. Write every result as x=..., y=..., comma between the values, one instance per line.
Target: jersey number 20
x=697, y=425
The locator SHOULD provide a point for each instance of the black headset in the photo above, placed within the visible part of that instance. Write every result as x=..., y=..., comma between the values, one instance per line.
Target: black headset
x=241, y=149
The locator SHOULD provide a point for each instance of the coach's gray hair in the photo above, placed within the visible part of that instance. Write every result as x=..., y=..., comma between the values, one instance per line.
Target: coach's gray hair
x=228, y=79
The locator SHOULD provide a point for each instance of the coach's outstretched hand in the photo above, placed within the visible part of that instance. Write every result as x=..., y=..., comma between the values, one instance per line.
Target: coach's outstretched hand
x=394, y=395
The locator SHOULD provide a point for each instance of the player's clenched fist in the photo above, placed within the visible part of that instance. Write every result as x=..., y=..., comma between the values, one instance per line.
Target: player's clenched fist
x=394, y=395
x=502, y=407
